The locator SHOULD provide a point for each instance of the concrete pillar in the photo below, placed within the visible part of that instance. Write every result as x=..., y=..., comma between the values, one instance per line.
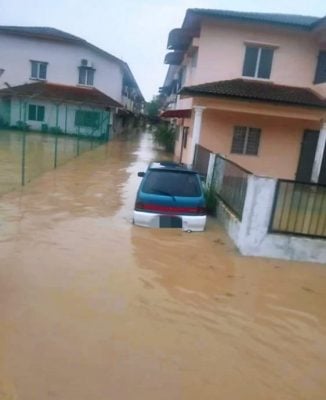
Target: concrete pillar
x=210, y=170
x=256, y=214
x=196, y=129
x=321, y=147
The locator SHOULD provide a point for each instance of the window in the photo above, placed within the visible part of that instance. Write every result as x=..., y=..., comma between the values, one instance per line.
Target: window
x=170, y=183
x=35, y=112
x=245, y=140
x=258, y=62
x=86, y=76
x=89, y=119
x=320, y=75
x=38, y=69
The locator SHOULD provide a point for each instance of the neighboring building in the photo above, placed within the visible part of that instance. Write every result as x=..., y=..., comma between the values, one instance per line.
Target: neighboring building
x=252, y=87
x=52, y=79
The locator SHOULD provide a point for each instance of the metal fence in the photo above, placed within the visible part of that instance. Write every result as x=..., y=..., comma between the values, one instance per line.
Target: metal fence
x=24, y=155
x=299, y=209
x=201, y=159
x=230, y=181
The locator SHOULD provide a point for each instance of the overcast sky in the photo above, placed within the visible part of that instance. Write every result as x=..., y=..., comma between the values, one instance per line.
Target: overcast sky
x=134, y=30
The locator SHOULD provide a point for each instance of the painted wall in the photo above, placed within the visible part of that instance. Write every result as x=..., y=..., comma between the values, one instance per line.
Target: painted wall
x=66, y=117
x=185, y=151
x=251, y=235
x=222, y=49
x=63, y=62
x=280, y=141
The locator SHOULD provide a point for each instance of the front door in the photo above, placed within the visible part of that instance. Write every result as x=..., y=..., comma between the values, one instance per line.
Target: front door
x=307, y=155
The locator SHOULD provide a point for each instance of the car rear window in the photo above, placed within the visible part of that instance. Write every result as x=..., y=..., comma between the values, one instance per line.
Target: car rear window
x=170, y=183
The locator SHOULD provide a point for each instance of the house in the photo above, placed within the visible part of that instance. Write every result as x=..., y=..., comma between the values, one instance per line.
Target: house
x=252, y=87
x=52, y=80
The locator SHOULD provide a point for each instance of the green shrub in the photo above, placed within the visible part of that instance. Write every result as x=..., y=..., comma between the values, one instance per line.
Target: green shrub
x=211, y=199
x=55, y=130
x=3, y=123
x=164, y=135
x=22, y=126
x=45, y=128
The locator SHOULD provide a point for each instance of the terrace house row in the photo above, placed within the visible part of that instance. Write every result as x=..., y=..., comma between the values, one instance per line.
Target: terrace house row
x=252, y=87
x=50, y=79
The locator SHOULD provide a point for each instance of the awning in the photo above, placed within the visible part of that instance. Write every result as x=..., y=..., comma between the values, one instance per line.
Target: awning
x=176, y=114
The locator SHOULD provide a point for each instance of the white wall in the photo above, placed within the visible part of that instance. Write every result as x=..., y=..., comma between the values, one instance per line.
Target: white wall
x=66, y=122
x=251, y=235
x=63, y=61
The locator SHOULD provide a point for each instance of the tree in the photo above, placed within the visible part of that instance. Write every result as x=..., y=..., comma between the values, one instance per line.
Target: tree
x=153, y=110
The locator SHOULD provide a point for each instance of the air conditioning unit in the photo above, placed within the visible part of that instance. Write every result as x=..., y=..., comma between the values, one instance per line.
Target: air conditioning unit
x=84, y=62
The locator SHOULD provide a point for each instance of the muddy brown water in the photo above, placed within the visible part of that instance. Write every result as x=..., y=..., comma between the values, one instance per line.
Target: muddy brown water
x=37, y=156
x=92, y=307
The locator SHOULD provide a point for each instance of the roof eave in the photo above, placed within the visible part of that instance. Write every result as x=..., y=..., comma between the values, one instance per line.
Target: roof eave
x=194, y=16
x=188, y=93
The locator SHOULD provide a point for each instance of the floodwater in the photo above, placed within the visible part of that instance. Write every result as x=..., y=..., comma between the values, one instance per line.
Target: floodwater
x=36, y=156
x=92, y=307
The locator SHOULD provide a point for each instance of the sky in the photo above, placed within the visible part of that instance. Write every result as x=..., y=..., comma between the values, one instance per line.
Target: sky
x=134, y=30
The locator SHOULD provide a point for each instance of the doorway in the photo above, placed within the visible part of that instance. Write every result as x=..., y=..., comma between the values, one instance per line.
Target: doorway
x=307, y=156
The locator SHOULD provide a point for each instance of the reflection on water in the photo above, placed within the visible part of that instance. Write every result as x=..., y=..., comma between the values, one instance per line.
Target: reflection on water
x=41, y=152
x=92, y=307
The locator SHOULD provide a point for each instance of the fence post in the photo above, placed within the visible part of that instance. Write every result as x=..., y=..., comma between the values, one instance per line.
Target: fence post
x=78, y=131
x=210, y=169
x=24, y=145
x=23, y=158
x=66, y=117
x=56, y=137
x=256, y=213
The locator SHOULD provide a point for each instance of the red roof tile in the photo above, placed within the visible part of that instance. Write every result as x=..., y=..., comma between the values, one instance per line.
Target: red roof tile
x=62, y=93
x=256, y=90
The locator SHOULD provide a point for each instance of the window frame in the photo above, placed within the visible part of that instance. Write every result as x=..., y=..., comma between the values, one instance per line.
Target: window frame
x=87, y=70
x=38, y=69
x=37, y=112
x=260, y=47
x=248, y=130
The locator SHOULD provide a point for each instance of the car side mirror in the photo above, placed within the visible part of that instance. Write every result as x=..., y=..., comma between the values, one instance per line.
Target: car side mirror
x=141, y=174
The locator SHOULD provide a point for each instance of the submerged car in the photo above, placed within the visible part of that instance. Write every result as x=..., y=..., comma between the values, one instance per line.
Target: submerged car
x=170, y=196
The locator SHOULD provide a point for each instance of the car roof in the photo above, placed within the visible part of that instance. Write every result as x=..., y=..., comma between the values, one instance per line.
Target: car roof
x=171, y=166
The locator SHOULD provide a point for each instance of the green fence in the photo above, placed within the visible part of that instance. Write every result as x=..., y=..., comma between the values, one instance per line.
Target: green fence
x=25, y=155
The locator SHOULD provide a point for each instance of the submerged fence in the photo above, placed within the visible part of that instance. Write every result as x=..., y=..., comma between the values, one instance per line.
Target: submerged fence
x=25, y=155
x=299, y=209
x=230, y=181
x=201, y=159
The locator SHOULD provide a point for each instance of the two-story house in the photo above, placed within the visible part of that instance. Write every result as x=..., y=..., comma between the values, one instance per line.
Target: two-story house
x=50, y=79
x=252, y=87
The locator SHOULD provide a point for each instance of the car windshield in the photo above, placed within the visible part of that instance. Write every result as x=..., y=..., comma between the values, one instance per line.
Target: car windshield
x=171, y=183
